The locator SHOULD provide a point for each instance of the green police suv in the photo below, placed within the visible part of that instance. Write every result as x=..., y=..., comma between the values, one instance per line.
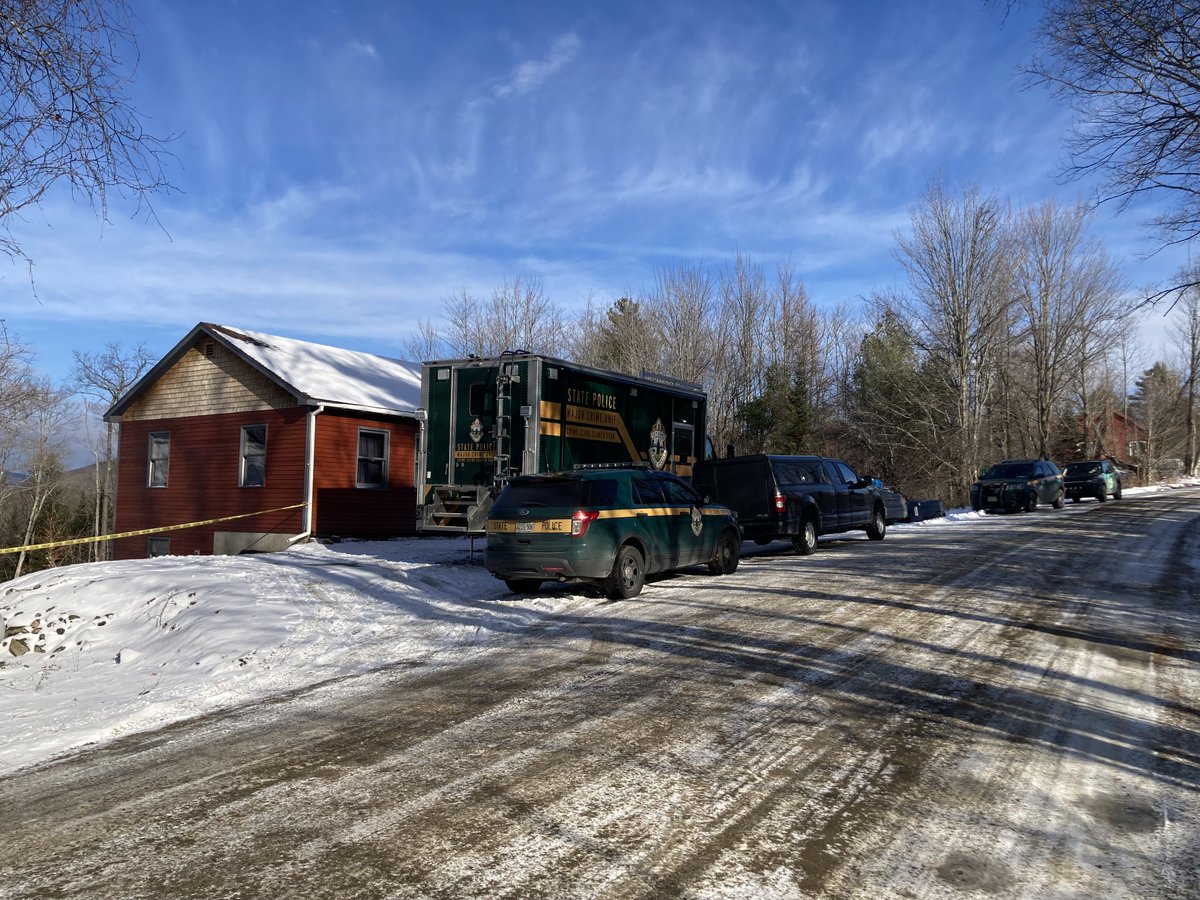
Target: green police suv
x=608, y=525
x=1097, y=478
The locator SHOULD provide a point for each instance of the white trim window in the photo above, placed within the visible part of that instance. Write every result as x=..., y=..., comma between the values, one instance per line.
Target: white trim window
x=159, y=456
x=372, y=459
x=252, y=471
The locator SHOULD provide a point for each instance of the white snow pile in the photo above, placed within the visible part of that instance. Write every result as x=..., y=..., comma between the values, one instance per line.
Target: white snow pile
x=96, y=651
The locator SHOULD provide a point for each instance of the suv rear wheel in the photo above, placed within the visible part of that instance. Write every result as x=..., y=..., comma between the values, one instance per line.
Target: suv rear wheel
x=627, y=576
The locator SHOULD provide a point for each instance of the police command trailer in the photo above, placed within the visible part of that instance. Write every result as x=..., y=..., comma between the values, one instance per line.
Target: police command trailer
x=488, y=419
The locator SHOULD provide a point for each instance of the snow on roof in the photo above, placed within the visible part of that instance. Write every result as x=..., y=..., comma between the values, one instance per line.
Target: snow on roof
x=323, y=374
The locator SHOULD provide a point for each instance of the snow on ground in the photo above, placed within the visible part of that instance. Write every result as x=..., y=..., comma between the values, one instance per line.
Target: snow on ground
x=120, y=647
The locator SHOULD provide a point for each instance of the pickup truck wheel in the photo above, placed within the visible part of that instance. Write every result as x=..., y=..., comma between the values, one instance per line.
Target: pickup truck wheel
x=805, y=543
x=523, y=585
x=878, y=525
x=627, y=576
x=725, y=560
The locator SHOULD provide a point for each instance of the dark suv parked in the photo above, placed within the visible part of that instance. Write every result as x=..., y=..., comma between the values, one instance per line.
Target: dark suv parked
x=610, y=525
x=1097, y=478
x=793, y=498
x=1019, y=485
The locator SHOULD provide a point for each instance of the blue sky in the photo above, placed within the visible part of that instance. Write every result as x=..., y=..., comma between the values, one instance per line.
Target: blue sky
x=343, y=169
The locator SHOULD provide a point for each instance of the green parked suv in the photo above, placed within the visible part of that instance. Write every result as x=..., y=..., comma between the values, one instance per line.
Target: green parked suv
x=1018, y=485
x=1097, y=478
x=608, y=525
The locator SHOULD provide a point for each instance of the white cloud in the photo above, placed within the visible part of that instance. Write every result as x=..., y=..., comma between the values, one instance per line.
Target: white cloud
x=363, y=48
x=532, y=74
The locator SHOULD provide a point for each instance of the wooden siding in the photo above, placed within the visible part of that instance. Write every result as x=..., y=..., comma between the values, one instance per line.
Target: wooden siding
x=199, y=385
x=202, y=480
x=346, y=510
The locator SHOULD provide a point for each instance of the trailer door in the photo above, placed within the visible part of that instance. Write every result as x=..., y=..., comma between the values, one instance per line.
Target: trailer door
x=473, y=427
x=683, y=445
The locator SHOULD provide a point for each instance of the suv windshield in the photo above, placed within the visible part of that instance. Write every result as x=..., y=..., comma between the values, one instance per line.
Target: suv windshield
x=573, y=492
x=1010, y=470
x=1083, y=468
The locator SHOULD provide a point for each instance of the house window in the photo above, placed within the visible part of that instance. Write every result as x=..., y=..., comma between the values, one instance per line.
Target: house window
x=158, y=546
x=372, y=458
x=253, y=471
x=160, y=452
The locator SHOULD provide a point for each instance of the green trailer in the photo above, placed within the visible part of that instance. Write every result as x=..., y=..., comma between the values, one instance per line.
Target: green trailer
x=489, y=419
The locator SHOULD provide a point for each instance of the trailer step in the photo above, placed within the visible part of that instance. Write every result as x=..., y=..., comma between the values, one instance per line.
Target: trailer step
x=458, y=509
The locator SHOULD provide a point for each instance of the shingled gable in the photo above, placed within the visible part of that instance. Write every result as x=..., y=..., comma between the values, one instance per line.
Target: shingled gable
x=315, y=374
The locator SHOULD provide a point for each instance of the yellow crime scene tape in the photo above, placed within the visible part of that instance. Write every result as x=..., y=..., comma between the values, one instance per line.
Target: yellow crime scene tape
x=124, y=534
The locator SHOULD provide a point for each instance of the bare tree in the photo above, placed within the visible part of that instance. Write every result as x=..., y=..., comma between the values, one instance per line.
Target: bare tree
x=64, y=115
x=103, y=378
x=518, y=316
x=958, y=262
x=1187, y=340
x=42, y=454
x=1132, y=73
x=679, y=312
x=425, y=344
x=17, y=391
x=1066, y=289
x=744, y=368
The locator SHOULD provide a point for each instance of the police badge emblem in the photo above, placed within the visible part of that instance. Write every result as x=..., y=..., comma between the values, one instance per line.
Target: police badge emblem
x=658, y=445
x=477, y=431
x=697, y=521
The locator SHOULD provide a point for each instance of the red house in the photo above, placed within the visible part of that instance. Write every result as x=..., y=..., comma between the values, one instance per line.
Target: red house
x=255, y=441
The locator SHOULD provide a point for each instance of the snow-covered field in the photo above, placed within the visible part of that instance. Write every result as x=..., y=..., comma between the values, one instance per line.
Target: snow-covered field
x=121, y=647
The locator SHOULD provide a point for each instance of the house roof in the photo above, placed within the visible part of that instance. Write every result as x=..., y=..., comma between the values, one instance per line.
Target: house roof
x=314, y=373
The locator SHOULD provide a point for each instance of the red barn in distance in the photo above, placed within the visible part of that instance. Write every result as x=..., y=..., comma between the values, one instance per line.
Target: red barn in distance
x=306, y=438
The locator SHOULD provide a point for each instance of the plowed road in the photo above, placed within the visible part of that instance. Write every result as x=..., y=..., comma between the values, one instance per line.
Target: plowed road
x=1008, y=709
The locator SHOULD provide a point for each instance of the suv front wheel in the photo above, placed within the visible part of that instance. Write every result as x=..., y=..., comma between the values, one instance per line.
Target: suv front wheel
x=627, y=576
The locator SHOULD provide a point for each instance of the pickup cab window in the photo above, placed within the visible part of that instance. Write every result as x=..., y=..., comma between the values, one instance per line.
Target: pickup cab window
x=845, y=474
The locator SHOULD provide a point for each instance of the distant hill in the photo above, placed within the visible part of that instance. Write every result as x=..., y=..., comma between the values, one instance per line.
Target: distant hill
x=76, y=482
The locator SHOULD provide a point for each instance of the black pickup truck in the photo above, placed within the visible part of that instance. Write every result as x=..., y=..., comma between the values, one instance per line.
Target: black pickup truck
x=796, y=498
